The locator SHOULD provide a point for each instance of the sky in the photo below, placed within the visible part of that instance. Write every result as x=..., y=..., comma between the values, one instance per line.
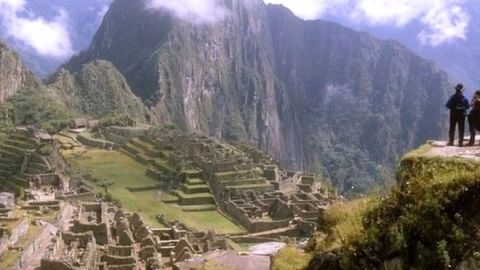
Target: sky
x=50, y=28
x=441, y=21
x=46, y=37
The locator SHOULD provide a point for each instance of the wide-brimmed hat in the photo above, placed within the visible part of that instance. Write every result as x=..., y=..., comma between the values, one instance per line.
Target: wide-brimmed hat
x=459, y=87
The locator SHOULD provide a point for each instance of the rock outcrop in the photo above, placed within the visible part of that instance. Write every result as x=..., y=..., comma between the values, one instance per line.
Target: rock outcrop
x=14, y=76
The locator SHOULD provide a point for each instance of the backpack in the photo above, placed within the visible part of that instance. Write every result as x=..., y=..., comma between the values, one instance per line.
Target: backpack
x=459, y=103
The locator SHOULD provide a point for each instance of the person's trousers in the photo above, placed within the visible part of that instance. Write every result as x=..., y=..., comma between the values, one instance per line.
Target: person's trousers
x=456, y=118
x=473, y=123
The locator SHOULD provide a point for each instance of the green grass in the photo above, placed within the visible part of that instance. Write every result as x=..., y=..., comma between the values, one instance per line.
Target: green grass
x=290, y=258
x=342, y=223
x=195, y=181
x=429, y=220
x=9, y=258
x=126, y=172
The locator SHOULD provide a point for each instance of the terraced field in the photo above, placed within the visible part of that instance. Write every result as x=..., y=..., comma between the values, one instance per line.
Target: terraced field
x=127, y=172
x=19, y=161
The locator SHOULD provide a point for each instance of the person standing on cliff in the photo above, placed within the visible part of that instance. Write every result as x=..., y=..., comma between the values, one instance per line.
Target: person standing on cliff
x=474, y=117
x=458, y=105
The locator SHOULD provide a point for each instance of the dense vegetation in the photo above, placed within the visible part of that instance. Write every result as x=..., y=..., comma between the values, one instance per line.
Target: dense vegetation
x=34, y=107
x=97, y=90
x=429, y=221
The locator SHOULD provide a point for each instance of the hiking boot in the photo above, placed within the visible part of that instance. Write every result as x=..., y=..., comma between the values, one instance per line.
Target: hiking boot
x=471, y=143
x=460, y=144
x=449, y=143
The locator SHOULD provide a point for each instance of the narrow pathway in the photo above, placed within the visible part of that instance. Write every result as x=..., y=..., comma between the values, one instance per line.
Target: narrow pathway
x=440, y=148
x=31, y=257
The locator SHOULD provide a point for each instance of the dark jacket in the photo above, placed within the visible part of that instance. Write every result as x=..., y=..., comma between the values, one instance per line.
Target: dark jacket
x=458, y=103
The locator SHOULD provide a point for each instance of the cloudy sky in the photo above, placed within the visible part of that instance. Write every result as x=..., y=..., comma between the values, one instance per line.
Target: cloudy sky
x=441, y=20
x=46, y=37
x=50, y=28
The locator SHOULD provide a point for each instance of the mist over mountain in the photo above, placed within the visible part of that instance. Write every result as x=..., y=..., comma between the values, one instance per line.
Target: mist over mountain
x=444, y=31
x=46, y=33
x=314, y=94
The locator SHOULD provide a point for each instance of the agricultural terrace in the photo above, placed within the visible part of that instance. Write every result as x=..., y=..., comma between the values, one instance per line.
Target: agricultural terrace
x=125, y=172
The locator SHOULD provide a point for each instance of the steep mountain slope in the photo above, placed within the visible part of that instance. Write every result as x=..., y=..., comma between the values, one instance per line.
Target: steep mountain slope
x=98, y=89
x=361, y=101
x=23, y=98
x=314, y=94
x=215, y=79
x=13, y=74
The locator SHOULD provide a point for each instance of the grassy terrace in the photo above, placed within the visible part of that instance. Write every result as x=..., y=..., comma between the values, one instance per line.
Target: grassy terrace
x=126, y=172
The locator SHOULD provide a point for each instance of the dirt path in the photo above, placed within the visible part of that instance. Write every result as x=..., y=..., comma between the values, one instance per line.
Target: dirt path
x=33, y=254
x=440, y=148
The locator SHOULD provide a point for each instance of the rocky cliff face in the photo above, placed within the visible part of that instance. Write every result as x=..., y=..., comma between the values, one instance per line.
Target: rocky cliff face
x=98, y=89
x=314, y=94
x=360, y=101
x=215, y=79
x=14, y=76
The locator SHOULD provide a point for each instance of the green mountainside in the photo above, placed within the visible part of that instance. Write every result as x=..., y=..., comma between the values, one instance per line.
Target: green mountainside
x=361, y=102
x=97, y=90
x=24, y=100
x=313, y=94
x=428, y=221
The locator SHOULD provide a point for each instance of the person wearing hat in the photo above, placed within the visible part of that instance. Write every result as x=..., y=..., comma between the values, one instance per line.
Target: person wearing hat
x=458, y=105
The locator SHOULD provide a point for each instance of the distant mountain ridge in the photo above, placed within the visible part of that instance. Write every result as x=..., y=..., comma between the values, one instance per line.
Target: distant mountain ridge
x=314, y=94
x=460, y=58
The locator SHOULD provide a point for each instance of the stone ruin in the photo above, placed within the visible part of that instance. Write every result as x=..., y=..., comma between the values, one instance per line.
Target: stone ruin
x=204, y=173
x=104, y=237
x=244, y=182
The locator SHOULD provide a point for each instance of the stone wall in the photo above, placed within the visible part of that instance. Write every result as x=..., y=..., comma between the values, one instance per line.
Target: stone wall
x=81, y=197
x=96, y=143
x=41, y=180
x=100, y=231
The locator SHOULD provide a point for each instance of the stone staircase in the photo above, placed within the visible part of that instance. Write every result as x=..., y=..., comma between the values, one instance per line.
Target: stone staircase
x=144, y=150
x=194, y=193
x=243, y=180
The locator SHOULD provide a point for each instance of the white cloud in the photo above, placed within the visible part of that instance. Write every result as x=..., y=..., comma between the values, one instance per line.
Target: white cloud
x=46, y=37
x=307, y=9
x=197, y=11
x=445, y=25
x=443, y=20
